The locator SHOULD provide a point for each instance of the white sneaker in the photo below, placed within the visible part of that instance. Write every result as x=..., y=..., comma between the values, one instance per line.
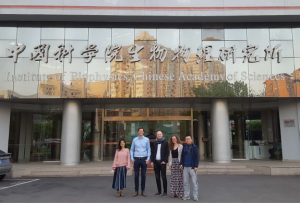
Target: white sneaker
x=196, y=199
x=185, y=198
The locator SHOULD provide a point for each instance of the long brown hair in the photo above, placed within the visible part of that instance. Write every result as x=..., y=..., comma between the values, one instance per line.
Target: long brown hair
x=171, y=144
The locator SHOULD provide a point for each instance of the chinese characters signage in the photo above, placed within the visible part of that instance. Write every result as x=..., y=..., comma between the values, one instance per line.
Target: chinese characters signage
x=158, y=53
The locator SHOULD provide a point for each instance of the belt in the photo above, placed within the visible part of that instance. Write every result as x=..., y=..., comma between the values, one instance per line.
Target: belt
x=140, y=158
x=159, y=161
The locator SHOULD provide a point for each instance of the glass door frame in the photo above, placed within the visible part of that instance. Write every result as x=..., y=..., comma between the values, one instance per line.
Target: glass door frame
x=139, y=118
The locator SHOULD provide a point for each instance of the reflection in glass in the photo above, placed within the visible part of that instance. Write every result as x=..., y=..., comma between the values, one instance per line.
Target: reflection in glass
x=281, y=34
x=53, y=33
x=284, y=87
x=286, y=46
x=8, y=33
x=240, y=45
x=190, y=38
x=235, y=34
x=296, y=41
x=259, y=74
x=259, y=37
x=100, y=37
x=237, y=77
x=115, y=130
x=30, y=37
x=6, y=44
x=145, y=34
x=78, y=47
x=74, y=84
x=296, y=76
x=53, y=46
x=51, y=88
x=169, y=111
x=27, y=84
x=98, y=79
x=168, y=38
x=216, y=45
x=123, y=37
x=76, y=33
x=212, y=34
x=6, y=86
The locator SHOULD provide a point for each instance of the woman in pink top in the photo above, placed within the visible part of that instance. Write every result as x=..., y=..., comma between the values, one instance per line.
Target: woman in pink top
x=120, y=166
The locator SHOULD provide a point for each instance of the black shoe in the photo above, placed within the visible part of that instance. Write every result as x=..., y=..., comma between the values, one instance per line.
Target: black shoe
x=164, y=195
x=157, y=194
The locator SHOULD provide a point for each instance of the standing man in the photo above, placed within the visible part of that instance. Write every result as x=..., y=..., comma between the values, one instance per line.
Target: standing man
x=189, y=165
x=140, y=153
x=159, y=159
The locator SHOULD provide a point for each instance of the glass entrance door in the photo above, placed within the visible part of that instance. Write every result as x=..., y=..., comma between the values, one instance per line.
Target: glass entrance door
x=115, y=130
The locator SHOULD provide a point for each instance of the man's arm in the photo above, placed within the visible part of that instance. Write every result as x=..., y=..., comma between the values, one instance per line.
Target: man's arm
x=167, y=153
x=181, y=159
x=197, y=157
x=148, y=149
x=132, y=150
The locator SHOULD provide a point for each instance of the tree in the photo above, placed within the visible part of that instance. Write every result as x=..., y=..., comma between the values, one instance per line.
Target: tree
x=222, y=89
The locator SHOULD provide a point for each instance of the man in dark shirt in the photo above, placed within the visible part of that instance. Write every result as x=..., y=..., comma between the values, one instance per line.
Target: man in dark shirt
x=159, y=160
x=189, y=165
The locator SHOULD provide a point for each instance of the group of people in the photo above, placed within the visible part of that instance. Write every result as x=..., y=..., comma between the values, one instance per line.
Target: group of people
x=182, y=160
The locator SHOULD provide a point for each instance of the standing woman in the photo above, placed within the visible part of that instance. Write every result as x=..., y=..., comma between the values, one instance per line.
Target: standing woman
x=174, y=165
x=120, y=166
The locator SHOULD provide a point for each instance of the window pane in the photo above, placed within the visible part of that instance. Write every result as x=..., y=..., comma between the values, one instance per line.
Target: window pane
x=6, y=72
x=98, y=79
x=286, y=46
x=212, y=34
x=4, y=44
x=237, y=76
x=76, y=33
x=145, y=34
x=25, y=87
x=100, y=37
x=281, y=34
x=124, y=37
x=240, y=45
x=190, y=38
x=235, y=34
x=259, y=73
x=78, y=47
x=74, y=81
x=53, y=46
x=216, y=45
x=259, y=37
x=30, y=37
x=8, y=33
x=53, y=33
x=52, y=87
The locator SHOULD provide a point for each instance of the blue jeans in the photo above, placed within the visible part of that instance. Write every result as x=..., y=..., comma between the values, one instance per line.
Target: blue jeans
x=137, y=165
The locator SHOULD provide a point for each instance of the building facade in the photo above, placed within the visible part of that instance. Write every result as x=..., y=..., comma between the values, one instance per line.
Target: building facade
x=75, y=77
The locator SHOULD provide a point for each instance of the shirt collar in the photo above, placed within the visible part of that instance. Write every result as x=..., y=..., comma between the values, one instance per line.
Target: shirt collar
x=141, y=138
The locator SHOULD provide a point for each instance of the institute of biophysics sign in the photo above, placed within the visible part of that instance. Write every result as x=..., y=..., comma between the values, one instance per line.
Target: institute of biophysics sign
x=157, y=53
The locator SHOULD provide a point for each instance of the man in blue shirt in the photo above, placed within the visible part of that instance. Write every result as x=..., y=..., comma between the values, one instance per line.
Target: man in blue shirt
x=189, y=165
x=140, y=153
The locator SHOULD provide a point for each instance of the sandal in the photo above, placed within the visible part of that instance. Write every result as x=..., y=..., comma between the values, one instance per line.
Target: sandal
x=118, y=193
x=174, y=196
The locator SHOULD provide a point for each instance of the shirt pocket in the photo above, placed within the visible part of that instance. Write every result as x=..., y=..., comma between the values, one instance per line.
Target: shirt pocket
x=144, y=144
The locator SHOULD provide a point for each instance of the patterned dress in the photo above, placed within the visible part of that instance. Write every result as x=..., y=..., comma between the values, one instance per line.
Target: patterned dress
x=176, y=175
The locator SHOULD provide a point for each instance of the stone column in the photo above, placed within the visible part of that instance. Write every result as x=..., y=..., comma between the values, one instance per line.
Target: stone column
x=71, y=133
x=221, y=151
x=5, y=109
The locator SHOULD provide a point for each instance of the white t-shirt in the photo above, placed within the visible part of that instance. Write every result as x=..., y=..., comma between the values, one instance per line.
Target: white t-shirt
x=158, y=152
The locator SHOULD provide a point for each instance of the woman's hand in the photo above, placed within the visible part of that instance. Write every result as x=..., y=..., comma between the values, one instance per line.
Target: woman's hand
x=170, y=167
x=113, y=168
x=128, y=168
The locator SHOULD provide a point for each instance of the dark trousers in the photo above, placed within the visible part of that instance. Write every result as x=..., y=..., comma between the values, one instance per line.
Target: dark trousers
x=137, y=165
x=160, y=169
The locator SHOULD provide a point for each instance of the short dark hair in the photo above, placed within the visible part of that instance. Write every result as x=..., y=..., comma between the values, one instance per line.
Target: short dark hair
x=189, y=136
x=119, y=146
x=141, y=128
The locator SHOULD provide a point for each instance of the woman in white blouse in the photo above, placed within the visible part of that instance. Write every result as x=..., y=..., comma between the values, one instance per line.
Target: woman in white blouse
x=174, y=165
